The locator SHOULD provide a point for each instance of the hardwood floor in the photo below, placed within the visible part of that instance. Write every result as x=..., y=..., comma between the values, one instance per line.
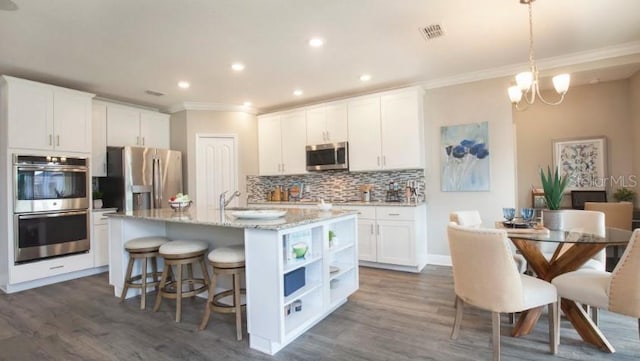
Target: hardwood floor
x=394, y=316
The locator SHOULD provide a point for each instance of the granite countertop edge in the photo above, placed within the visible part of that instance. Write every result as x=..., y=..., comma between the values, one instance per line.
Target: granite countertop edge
x=340, y=204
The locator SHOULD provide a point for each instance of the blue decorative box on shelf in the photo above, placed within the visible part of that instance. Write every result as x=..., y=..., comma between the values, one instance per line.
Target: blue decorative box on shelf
x=294, y=280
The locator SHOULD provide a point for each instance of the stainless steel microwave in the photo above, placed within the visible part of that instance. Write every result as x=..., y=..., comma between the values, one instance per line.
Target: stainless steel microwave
x=328, y=156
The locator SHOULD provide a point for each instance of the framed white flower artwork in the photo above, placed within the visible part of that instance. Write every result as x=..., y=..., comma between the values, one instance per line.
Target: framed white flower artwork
x=583, y=160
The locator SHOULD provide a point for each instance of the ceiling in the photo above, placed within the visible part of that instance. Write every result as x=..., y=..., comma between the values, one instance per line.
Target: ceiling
x=118, y=49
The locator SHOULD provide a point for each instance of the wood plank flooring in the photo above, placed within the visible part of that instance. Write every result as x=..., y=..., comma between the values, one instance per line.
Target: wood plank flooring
x=394, y=316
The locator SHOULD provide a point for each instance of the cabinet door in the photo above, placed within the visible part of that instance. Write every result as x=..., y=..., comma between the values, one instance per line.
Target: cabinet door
x=154, y=130
x=99, y=140
x=294, y=131
x=123, y=126
x=401, y=124
x=101, y=245
x=336, y=123
x=316, y=126
x=72, y=121
x=396, y=242
x=269, y=145
x=364, y=134
x=30, y=116
x=367, y=240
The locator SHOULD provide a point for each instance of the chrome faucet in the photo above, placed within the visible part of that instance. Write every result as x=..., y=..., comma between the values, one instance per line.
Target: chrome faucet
x=223, y=202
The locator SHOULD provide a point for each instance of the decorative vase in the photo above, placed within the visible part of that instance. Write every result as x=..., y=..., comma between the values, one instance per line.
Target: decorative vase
x=97, y=203
x=552, y=219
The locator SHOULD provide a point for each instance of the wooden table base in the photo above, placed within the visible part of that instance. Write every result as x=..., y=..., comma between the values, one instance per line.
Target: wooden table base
x=567, y=257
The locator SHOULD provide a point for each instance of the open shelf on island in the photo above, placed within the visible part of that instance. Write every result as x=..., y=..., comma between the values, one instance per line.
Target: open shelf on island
x=343, y=268
x=292, y=264
x=341, y=247
x=302, y=292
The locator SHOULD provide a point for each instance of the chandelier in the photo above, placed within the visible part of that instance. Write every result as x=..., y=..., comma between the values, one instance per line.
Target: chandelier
x=527, y=85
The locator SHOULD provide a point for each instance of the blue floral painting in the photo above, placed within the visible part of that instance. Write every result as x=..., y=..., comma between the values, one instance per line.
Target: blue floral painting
x=465, y=157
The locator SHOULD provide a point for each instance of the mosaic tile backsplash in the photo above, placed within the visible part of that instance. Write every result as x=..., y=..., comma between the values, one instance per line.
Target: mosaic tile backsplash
x=338, y=185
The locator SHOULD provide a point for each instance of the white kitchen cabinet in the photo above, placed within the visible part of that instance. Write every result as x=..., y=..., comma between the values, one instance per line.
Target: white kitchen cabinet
x=133, y=126
x=327, y=124
x=364, y=134
x=47, y=117
x=100, y=237
x=281, y=143
x=386, y=131
x=99, y=139
x=392, y=237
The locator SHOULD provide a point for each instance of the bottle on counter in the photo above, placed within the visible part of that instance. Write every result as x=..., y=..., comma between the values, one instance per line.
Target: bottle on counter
x=407, y=192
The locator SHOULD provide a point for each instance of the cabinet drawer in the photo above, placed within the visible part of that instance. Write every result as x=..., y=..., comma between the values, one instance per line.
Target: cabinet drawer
x=396, y=213
x=100, y=218
x=364, y=212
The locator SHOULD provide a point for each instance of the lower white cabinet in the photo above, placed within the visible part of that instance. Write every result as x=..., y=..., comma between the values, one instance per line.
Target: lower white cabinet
x=392, y=237
x=100, y=237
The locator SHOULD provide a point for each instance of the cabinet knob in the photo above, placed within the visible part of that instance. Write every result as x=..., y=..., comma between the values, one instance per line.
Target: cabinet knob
x=50, y=139
x=58, y=140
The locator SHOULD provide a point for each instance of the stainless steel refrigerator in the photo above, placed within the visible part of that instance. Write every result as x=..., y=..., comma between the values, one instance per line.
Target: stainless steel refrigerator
x=141, y=178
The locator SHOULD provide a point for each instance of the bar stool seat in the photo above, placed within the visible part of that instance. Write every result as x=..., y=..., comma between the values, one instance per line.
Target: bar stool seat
x=180, y=253
x=144, y=248
x=226, y=261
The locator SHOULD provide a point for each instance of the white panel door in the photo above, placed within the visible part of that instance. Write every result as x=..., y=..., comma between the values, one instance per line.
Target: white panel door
x=367, y=240
x=336, y=123
x=72, y=122
x=154, y=130
x=99, y=140
x=123, y=126
x=269, y=145
x=216, y=171
x=30, y=116
x=401, y=131
x=316, y=126
x=364, y=134
x=396, y=242
x=294, y=134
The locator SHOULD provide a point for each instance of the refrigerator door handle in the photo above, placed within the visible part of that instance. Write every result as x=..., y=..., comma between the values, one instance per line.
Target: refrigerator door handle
x=157, y=185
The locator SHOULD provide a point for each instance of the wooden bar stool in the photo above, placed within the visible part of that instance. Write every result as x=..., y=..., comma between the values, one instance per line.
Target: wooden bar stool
x=180, y=253
x=226, y=261
x=144, y=248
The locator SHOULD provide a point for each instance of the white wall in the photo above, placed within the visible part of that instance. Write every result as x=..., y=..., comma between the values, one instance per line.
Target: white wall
x=464, y=104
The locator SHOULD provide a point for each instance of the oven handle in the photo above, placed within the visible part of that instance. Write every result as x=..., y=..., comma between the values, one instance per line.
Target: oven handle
x=48, y=215
x=52, y=168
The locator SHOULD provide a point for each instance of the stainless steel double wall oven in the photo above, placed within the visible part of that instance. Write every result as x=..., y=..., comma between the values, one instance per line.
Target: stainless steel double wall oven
x=51, y=206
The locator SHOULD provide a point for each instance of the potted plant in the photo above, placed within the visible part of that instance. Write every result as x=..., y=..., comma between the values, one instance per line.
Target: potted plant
x=97, y=199
x=554, y=185
x=624, y=194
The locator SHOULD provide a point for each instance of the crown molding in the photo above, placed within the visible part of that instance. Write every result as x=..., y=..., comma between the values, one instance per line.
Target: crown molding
x=219, y=107
x=609, y=56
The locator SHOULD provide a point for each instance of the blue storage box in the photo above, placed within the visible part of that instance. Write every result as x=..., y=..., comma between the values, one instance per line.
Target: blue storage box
x=293, y=281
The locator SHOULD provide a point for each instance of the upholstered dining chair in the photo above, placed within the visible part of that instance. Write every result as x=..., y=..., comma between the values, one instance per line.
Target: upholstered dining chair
x=485, y=276
x=618, y=291
x=472, y=219
x=583, y=221
x=616, y=215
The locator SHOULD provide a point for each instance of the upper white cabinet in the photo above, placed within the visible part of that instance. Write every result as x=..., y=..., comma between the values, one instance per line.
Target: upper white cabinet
x=327, y=124
x=386, y=131
x=47, y=117
x=99, y=139
x=281, y=143
x=133, y=126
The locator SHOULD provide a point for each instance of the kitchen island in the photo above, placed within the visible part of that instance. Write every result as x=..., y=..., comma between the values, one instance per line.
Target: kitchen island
x=330, y=267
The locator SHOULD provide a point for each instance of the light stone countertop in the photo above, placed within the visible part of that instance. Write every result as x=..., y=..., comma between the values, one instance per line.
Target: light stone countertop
x=293, y=218
x=342, y=203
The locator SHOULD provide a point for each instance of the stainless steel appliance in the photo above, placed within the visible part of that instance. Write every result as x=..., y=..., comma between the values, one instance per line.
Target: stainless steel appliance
x=51, y=200
x=327, y=156
x=141, y=178
x=46, y=183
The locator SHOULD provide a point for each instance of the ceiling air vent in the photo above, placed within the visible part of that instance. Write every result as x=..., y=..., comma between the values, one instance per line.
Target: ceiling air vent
x=154, y=93
x=432, y=31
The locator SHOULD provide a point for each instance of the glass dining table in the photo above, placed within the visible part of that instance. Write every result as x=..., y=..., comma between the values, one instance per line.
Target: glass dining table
x=574, y=248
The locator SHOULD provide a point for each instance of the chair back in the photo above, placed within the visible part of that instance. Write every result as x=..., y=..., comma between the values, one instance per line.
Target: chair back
x=466, y=218
x=624, y=289
x=617, y=215
x=581, y=221
x=484, y=273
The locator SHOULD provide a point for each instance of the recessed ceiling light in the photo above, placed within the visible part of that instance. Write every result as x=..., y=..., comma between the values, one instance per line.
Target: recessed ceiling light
x=247, y=104
x=365, y=77
x=297, y=92
x=184, y=84
x=237, y=66
x=316, y=42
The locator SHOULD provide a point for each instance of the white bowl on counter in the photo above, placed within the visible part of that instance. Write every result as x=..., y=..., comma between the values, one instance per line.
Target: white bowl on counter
x=180, y=205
